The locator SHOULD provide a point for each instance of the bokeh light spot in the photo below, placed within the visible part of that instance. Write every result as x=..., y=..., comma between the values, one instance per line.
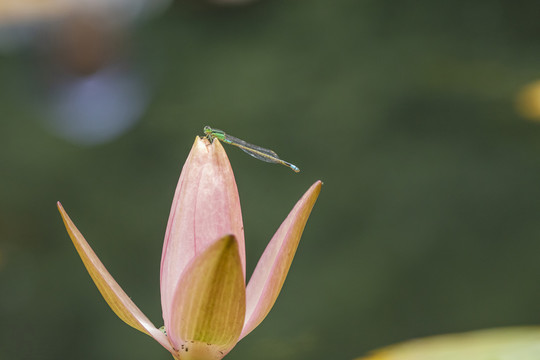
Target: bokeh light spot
x=528, y=101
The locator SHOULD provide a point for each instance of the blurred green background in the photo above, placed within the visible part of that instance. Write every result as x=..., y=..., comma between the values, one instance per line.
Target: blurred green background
x=428, y=219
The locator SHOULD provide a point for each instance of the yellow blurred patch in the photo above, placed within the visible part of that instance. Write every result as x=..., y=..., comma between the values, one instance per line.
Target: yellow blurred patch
x=528, y=101
x=514, y=343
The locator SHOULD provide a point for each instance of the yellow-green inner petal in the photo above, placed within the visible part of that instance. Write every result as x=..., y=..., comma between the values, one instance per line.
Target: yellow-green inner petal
x=210, y=302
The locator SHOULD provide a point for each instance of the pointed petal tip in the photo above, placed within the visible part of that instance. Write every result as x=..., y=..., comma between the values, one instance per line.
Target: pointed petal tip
x=198, y=143
x=228, y=241
x=314, y=190
x=65, y=217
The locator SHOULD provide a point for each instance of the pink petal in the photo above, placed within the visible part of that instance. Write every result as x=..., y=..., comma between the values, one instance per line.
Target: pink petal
x=117, y=299
x=273, y=266
x=205, y=207
x=210, y=303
